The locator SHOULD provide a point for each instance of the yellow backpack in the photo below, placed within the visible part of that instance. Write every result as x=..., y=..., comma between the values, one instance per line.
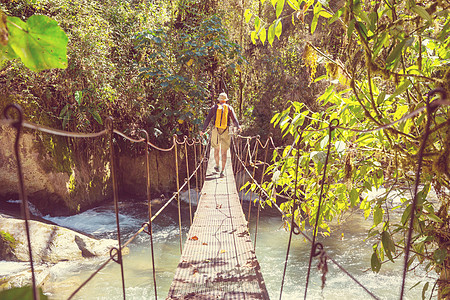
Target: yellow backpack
x=221, y=116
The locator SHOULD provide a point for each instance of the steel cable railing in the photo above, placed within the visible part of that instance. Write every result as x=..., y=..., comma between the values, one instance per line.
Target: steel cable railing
x=19, y=124
x=115, y=253
x=174, y=196
x=299, y=231
x=317, y=248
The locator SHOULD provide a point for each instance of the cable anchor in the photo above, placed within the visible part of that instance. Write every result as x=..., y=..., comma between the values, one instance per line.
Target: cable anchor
x=113, y=255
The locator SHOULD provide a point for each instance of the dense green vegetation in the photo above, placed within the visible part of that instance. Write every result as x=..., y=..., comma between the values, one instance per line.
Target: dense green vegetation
x=391, y=54
x=158, y=64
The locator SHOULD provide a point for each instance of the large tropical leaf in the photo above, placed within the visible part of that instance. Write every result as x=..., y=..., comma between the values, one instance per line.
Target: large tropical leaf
x=40, y=43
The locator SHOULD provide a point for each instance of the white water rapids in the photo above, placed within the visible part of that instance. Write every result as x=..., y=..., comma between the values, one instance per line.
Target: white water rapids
x=347, y=244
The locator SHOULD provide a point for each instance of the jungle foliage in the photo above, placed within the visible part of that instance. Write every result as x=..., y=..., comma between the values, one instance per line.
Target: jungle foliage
x=150, y=65
x=302, y=64
x=392, y=54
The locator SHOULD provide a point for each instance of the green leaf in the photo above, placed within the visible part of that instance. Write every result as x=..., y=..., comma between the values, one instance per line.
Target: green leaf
x=416, y=284
x=377, y=215
x=336, y=16
x=422, y=13
x=373, y=16
x=325, y=14
x=375, y=262
x=388, y=244
x=354, y=197
x=362, y=14
x=293, y=4
x=401, y=110
x=351, y=27
x=439, y=255
x=280, y=6
x=79, y=97
x=253, y=36
x=278, y=28
x=317, y=7
x=434, y=218
x=444, y=32
x=22, y=293
x=314, y=23
x=424, y=290
x=262, y=35
x=320, y=78
x=257, y=23
x=275, y=117
x=381, y=97
x=97, y=117
x=40, y=43
x=395, y=54
x=401, y=89
x=247, y=15
x=406, y=214
x=6, y=53
x=318, y=156
x=64, y=110
x=274, y=2
x=380, y=41
x=271, y=34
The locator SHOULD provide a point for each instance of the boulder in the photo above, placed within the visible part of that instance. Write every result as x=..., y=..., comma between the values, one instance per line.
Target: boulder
x=49, y=243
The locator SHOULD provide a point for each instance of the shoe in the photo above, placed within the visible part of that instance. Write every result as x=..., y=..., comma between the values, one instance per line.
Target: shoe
x=217, y=169
x=221, y=174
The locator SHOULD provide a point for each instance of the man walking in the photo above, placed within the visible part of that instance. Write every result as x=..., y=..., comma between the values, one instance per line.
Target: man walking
x=222, y=113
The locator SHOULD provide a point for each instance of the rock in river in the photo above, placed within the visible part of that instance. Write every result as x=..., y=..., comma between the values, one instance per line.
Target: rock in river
x=49, y=243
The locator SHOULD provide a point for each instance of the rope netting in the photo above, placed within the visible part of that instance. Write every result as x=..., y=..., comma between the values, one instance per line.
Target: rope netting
x=13, y=116
x=243, y=157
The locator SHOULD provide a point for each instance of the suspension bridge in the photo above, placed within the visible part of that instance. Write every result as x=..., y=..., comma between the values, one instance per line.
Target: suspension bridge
x=218, y=260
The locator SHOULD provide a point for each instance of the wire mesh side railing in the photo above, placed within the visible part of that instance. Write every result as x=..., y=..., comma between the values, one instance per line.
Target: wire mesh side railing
x=241, y=156
x=12, y=116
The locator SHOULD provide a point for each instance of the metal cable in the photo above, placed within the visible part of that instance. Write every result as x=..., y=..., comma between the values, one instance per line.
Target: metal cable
x=149, y=205
x=178, y=191
x=294, y=208
x=133, y=237
x=143, y=140
x=110, y=128
x=196, y=175
x=266, y=146
x=255, y=153
x=188, y=181
x=247, y=146
x=307, y=237
x=435, y=103
x=430, y=108
x=331, y=128
x=50, y=130
x=17, y=125
x=109, y=124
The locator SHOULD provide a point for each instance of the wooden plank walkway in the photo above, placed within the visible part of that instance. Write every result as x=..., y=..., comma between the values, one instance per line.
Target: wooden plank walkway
x=218, y=260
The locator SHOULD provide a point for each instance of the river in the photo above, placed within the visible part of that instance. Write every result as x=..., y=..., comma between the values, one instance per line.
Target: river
x=347, y=245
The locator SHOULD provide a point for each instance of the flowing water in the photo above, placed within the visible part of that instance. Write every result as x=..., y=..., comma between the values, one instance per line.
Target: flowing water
x=347, y=245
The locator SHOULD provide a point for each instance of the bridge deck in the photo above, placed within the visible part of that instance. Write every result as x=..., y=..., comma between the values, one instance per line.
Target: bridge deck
x=218, y=260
